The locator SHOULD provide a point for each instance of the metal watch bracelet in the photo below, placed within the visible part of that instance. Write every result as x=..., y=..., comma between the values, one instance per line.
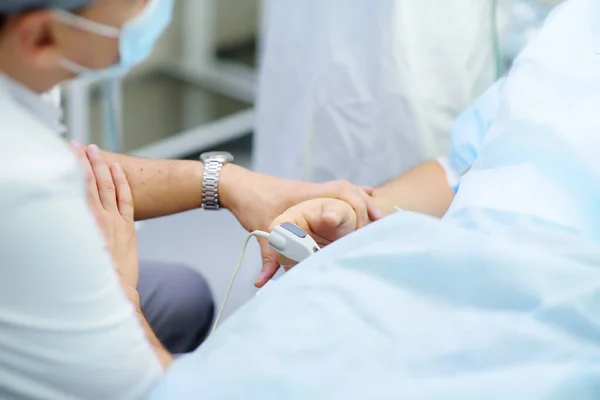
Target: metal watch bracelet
x=210, y=184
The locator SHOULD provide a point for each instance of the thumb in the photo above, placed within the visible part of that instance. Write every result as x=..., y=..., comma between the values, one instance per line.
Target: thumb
x=269, y=263
x=333, y=221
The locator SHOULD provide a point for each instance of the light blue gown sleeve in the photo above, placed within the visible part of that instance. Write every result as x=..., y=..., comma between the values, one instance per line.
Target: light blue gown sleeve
x=468, y=131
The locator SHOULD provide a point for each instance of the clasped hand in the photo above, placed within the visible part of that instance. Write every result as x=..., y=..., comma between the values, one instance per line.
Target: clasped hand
x=257, y=200
x=111, y=201
x=325, y=220
x=326, y=211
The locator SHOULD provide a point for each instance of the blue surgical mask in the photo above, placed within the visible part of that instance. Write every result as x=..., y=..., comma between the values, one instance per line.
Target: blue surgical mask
x=137, y=38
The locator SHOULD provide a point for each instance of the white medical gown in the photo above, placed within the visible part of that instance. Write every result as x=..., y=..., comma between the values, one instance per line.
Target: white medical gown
x=364, y=90
x=499, y=300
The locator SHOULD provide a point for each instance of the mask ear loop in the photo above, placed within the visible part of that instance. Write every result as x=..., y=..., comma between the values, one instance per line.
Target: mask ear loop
x=87, y=25
x=73, y=66
x=235, y=273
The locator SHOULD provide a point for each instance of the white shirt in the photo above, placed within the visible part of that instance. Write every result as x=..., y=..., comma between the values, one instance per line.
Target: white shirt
x=67, y=331
x=364, y=90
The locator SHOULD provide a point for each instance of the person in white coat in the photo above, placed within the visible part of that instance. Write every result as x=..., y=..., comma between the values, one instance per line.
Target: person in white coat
x=364, y=90
x=71, y=322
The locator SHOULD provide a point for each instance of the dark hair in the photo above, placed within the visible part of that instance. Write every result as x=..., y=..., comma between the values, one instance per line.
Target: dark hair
x=3, y=19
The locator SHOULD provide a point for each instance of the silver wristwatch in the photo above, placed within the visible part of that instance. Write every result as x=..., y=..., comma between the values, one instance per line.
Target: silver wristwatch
x=213, y=163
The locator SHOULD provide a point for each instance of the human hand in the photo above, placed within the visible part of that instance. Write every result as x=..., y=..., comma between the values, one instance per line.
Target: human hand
x=111, y=202
x=256, y=200
x=325, y=220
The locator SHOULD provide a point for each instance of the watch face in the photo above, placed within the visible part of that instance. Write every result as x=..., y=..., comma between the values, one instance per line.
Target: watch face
x=222, y=156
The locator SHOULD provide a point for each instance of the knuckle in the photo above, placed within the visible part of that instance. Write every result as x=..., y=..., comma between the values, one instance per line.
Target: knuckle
x=277, y=222
x=106, y=186
x=124, y=181
x=338, y=184
x=126, y=201
x=345, y=184
x=345, y=188
x=89, y=177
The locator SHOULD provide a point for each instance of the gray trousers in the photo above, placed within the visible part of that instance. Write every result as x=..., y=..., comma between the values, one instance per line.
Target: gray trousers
x=177, y=303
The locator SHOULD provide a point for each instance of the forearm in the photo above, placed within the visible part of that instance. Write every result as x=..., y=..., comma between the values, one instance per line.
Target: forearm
x=165, y=358
x=165, y=187
x=161, y=187
x=423, y=189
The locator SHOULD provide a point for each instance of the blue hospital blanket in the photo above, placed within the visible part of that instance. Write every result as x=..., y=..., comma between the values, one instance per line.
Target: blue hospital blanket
x=484, y=305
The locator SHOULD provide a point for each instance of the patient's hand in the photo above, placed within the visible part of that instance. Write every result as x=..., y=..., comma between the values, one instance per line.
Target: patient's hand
x=326, y=220
x=111, y=201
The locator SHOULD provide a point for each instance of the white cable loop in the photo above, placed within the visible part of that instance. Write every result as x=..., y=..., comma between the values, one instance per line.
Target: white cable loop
x=235, y=273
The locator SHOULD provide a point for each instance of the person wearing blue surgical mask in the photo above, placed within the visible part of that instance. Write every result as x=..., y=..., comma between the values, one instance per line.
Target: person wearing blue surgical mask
x=136, y=37
x=181, y=321
x=72, y=320
x=67, y=327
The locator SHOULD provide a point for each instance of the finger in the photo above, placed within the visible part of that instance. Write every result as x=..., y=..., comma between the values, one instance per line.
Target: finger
x=124, y=195
x=354, y=197
x=337, y=219
x=269, y=264
x=104, y=179
x=368, y=190
x=332, y=218
x=325, y=220
x=372, y=209
x=331, y=215
x=366, y=208
x=76, y=145
x=90, y=179
x=286, y=263
x=297, y=216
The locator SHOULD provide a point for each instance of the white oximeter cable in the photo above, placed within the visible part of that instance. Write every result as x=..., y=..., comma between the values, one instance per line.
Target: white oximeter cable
x=235, y=273
x=288, y=240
